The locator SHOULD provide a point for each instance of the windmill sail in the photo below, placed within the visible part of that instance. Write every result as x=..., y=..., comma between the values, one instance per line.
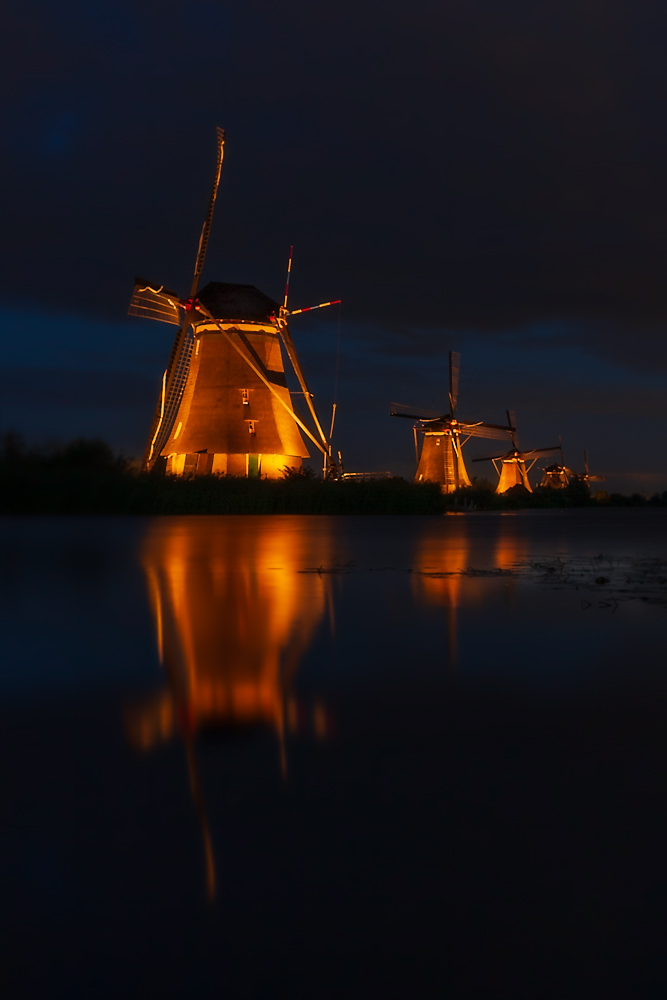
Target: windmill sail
x=454, y=368
x=206, y=229
x=154, y=302
x=173, y=385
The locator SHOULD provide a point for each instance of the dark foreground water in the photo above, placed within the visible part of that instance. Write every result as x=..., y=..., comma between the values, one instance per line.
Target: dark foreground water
x=334, y=757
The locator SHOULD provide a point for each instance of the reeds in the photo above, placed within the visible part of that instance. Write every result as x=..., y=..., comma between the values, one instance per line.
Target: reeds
x=86, y=477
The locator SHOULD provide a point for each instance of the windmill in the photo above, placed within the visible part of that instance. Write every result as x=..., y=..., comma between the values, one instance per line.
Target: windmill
x=441, y=458
x=224, y=404
x=511, y=467
x=557, y=477
x=586, y=477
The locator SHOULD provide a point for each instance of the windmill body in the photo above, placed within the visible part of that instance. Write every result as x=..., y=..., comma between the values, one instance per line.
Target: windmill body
x=512, y=473
x=556, y=477
x=441, y=459
x=224, y=405
x=227, y=420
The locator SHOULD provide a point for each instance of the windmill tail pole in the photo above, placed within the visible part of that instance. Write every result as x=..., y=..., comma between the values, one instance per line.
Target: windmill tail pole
x=206, y=229
x=322, y=305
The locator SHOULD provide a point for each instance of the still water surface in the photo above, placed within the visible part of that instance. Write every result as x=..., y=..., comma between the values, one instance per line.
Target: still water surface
x=331, y=757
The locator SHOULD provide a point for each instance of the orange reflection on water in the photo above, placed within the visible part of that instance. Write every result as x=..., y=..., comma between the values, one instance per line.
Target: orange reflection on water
x=510, y=549
x=439, y=564
x=234, y=613
x=438, y=580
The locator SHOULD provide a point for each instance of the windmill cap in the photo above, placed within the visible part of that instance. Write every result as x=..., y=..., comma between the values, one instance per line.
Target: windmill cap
x=237, y=302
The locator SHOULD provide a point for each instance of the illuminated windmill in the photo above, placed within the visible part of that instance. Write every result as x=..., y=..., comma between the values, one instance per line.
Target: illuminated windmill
x=511, y=467
x=224, y=405
x=441, y=460
x=556, y=476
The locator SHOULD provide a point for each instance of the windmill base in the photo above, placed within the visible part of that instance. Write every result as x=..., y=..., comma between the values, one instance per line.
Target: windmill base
x=247, y=466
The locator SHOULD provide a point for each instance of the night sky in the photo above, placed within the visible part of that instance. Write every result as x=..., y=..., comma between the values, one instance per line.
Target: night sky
x=464, y=174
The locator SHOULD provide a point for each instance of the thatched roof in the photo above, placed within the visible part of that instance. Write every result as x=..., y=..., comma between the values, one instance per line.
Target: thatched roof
x=237, y=302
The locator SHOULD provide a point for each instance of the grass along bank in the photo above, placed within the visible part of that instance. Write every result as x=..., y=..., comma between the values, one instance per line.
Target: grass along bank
x=86, y=477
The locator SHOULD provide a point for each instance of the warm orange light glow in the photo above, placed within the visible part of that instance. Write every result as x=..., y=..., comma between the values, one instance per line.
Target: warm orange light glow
x=233, y=616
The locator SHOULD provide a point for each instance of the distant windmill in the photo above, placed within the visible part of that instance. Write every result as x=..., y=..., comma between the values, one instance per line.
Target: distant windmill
x=511, y=467
x=586, y=477
x=557, y=477
x=224, y=405
x=441, y=459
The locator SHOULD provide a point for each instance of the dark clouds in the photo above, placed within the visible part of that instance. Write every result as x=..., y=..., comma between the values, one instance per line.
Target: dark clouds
x=445, y=167
x=467, y=163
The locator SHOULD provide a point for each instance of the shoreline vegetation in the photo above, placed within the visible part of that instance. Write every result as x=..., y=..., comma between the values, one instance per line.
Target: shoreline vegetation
x=86, y=477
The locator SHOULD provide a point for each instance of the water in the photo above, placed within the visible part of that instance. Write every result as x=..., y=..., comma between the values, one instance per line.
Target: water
x=334, y=757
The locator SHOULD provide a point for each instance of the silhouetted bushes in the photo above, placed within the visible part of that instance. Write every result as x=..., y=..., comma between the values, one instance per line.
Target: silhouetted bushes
x=86, y=477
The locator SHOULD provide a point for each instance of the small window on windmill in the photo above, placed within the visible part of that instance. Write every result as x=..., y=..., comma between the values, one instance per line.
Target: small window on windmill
x=251, y=426
x=244, y=397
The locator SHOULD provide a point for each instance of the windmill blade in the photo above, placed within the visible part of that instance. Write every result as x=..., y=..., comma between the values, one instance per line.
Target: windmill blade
x=454, y=368
x=155, y=302
x=409, y=408
x=496, y=431
x=492, y=458
x=206, y=229
x=322, y=305
x=412, y=416
x=173, y=386
x=289, y=271
x=597, y=479
x=540, y=452
x=511, y=423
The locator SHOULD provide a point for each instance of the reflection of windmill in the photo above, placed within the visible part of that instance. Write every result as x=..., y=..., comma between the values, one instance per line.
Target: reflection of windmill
x=234, y=617
x=224, y=405
x=441, y=564
x=441, y=458
x=511, y=467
